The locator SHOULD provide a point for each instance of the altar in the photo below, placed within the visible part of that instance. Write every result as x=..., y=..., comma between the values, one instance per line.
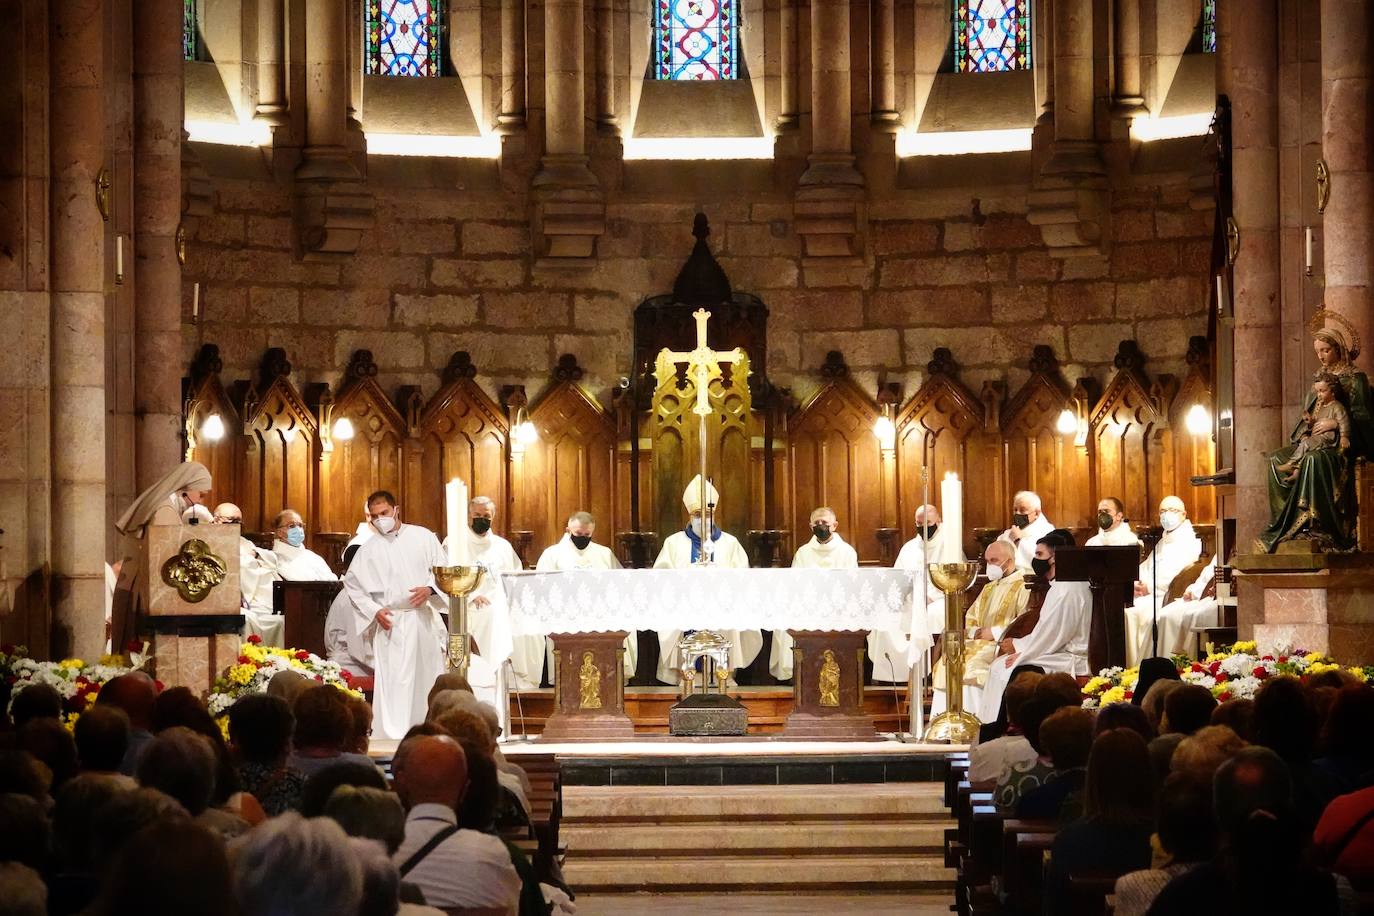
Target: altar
x=587, y=614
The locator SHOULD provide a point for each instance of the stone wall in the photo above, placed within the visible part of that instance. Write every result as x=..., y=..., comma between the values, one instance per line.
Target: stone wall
x=448, y=269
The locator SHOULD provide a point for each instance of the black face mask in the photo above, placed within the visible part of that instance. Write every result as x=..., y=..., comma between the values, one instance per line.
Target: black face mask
x=1020, y=520
x=821, y=532
x=580, y=541
x=927, y=532
x=1104, y=520
x=481, y=525
x=1040, y=567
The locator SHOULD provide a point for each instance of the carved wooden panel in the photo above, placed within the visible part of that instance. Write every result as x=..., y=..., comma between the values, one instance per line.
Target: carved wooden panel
x=280, y=440
x=835, y=460
x=373, y=459
x=1037, y=456
x=1127, y=457
x=222, y=456
x=942, y=427
x=462, y=434
x=571, y=467
x=1189, y=454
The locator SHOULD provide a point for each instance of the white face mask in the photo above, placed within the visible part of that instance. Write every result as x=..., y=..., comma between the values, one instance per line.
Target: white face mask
x=384, y=524
x=1170, y=520
x=698, y=526
x=994, y=572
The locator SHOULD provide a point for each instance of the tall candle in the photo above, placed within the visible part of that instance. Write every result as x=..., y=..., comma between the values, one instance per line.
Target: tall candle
x=119, y=257
x=195, y=300
x=455, y=516
x=1308, y=233
x=952, y=510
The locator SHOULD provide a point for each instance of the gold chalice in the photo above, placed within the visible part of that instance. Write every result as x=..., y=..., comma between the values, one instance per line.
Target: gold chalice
x=458, y=582
x=954, y=725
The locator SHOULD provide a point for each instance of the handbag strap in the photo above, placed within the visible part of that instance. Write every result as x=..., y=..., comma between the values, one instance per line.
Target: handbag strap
x=420, y=854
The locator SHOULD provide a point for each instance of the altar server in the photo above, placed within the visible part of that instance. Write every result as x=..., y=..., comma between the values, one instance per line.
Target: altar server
x=1028, y=525
x=576, y=550
x=1112, y=528
x=681, y=549
x=891, y=650
x=825, y=550
x=1059, y=641
x=397, y=610
x=1196, y=608
x=1178, y=548
x=1001, y=601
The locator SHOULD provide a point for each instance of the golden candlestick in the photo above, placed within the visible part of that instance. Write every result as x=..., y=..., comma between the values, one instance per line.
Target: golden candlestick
x=954, y=725
x=458, y=582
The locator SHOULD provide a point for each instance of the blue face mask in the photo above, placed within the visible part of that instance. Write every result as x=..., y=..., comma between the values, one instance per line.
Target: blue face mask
x=295, y=536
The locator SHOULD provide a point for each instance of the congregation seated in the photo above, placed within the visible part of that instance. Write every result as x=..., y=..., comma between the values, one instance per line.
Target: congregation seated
x=1067, y=738
x=1052, y=693
x=324, y=731
x=260, y=730
x=1186, y=709
x=989, y=759
x=1185, y=840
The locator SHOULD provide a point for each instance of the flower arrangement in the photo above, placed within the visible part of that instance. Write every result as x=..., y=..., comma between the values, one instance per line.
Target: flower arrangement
x=77, y=682
x=257, y=664
x=1233, y=672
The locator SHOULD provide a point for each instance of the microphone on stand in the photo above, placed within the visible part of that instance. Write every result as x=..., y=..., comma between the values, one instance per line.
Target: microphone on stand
x=896, y=697
x=1151, y=538
x=519, y=705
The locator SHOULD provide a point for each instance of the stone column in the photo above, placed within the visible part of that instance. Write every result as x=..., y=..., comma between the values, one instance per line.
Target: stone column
x=1347, y=122
x=512, y=64
x=158, y=107
x=570, y=213
x=1073, y=83
x=787, y=66
x=333, y=206
x=884, y=64
x=605, y=69
x=353, y=62
x=271, y=63
x=1247, y=72
x=78, y=109
x=1128, y=99
x=1042, y=60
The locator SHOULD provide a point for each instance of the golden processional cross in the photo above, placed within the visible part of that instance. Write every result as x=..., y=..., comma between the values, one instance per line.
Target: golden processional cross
x=703, y=364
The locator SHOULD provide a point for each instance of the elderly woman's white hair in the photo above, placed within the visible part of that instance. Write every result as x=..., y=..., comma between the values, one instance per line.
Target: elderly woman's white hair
x=290, y=866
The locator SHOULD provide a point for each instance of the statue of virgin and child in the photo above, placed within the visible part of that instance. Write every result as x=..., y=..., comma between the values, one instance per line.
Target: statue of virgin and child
x=1312, y=478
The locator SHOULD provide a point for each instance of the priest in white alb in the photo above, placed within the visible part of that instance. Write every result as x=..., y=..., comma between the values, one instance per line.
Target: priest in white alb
x=825, y=550
x=289, y=560
x=397, y=610
x=891, y=650
x=1112, y=527
x=488, y=613
x=1195, y=609
x=682, y=549
x=1178, y=548
x=1059, y=641
x=577, y=551
x=1028, y=526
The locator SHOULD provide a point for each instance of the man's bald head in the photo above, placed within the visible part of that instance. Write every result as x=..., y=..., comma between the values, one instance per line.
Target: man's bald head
x=228, y=514
x=999, y=553
x=430, y=769
x=134, y=693
x=1172, y=504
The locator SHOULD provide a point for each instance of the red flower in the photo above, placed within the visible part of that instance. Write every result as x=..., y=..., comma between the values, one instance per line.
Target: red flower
x=1283, y=659
x=346, y=675
x=302, y=655
x=1197, y=667
x=1266, y=658
x=1129, y=694
x=1214, y=667
x=1223, y=696
x=245, y=660
x=159, y=686
x=255, y=639
x=133, y=645
x=1260, y=672
x=1222, y=677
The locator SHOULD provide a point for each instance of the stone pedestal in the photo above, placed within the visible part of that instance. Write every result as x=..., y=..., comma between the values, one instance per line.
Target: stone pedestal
x=1318, y=602
x=588, y=688
x=828, y=685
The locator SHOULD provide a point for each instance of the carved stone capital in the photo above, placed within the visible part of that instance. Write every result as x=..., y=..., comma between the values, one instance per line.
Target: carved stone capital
x=333, y=205
x=831, y=220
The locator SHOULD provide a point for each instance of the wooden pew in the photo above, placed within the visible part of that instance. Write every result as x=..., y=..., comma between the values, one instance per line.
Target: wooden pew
x=1023, y=868
x=546, y=810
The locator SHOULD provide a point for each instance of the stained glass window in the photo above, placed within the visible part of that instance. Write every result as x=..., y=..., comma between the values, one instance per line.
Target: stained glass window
x=403, y=37
x=992, y=36
x=1209, y=26
x=188, y=29
x=696, y=39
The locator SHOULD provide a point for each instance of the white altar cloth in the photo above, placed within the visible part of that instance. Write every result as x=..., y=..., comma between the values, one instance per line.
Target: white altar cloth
x=596, y=600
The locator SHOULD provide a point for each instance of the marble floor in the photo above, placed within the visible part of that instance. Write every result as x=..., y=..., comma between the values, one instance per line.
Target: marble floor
x=746, y=904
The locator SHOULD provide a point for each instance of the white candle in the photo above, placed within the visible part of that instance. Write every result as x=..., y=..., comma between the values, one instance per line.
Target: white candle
x=195, y=300
x=455, y=515
x=952, y=510
x=1308, y=232
x=119, y=257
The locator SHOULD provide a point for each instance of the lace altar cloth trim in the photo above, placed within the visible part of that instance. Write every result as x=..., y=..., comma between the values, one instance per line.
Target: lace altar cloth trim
x=590, y=601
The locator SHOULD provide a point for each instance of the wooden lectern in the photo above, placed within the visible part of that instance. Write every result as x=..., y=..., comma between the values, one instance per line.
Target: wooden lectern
x=1111, y=574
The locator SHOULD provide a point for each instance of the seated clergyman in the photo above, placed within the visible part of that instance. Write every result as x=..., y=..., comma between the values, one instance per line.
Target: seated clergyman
x=289, y=560
x=825, y=550
x=576, y=550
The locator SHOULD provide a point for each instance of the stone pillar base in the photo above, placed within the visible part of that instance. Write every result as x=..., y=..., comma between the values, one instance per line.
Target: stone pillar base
x=828, y=685
x=589, y=693
x=1318, y=602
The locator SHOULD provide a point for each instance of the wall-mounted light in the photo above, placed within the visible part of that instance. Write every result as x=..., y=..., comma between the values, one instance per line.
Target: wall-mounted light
x=886, y=431
x=1067, y=424
x=1198, y=420
x=343, y=429
x=212, y=430
x=523, y=434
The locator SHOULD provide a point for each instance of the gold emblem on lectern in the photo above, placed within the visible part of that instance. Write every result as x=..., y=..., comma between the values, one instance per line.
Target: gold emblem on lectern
x=589, y=678
x=194, y=571
x=829, y=680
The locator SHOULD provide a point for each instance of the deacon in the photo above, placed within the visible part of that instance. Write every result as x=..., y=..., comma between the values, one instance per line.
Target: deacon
x=397, y=610
x=1196, y=609
x=825, y=550
x=1000, y=602
x=890, y=649
x=488, y=615
x=1112, y=529
x=1028, y=525
x=577, y=550
x=1059, y=641
x=681, y=550
x=1178, y=548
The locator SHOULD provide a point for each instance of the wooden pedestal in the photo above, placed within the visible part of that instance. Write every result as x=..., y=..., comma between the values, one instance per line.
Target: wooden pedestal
x=814, y=713
x=588, y=687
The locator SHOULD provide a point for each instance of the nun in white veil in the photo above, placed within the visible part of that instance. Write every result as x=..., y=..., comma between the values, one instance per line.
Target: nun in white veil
x=164, y=503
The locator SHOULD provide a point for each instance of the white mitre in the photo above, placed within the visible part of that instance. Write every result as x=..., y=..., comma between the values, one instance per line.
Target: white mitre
x=691, y=497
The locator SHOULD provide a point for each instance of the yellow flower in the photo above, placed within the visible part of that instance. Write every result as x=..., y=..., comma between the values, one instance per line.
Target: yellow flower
x=1095, y=685
x=1359, y=673
x=1248, y=647
x=1129, y=677
x=242, y=674
x=73, y=664
x=1313, y=657
x=1115, y=695
x=1319, y=667
x=255, y=653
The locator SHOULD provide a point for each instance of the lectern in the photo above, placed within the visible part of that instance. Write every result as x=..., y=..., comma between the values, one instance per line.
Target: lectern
x=1111, y=574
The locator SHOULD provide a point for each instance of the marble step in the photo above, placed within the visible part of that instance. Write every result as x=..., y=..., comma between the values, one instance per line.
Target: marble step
x=866, y=870
x=619, y=804
x=794, y=837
